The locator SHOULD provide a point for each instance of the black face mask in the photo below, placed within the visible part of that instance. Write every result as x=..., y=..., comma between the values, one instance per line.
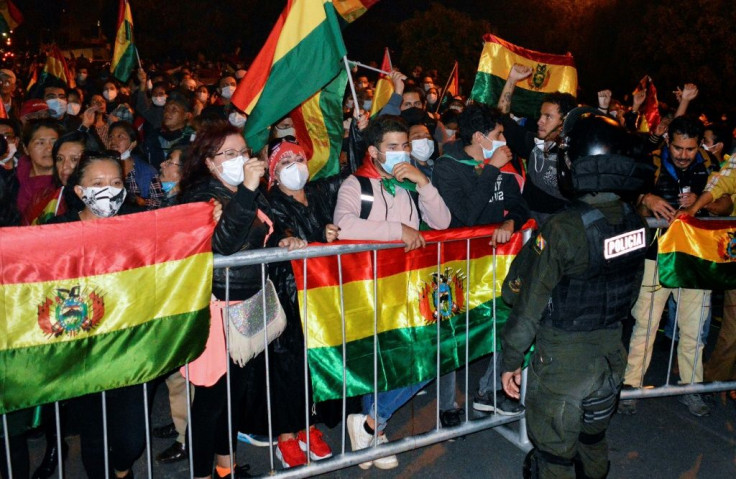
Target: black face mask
x=414, y=116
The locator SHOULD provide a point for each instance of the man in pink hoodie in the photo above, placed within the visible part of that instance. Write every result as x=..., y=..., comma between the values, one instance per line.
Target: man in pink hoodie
x=386, y=200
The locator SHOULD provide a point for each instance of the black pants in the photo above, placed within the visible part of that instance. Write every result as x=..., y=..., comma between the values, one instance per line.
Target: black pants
x=210, y=421
x=18, y=456
x=126, y=428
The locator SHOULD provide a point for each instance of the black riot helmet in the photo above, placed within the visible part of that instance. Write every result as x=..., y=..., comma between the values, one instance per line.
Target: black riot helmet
x=598, y=155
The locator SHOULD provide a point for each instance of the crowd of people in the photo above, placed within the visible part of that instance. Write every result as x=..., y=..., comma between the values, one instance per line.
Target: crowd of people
x=427, y=160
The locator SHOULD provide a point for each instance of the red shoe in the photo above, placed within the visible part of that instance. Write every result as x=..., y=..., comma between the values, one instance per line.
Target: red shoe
x=290, y=454
x=318, y=448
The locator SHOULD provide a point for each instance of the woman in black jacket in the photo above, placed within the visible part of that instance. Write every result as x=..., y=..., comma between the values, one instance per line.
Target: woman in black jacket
x=220, y=168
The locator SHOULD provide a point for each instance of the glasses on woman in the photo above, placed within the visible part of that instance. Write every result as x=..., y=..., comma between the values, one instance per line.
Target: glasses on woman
x=232, y=153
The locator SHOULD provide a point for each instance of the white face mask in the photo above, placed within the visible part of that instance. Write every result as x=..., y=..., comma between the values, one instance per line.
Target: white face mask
x=73, y=108
x=422, y=148
x=227, y=92
x=283, y=132
x=82, y=77
x=232, y=171
x=449, y=132
x=103, y=201
x=202, y=97
x=495, y=144
x=9, y=155
x=57, y=107
x=294, y=176
x=126, y=154
x=159, y=100
x=110, y=95
x=393, y=158
x=236, y=119
x=431, y=98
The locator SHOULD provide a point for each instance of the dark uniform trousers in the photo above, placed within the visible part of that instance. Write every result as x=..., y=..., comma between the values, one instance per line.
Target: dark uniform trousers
x=574, y=380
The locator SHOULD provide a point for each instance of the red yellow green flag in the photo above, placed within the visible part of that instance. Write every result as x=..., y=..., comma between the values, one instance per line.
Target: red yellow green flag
x=10, y=16
x=97, y=305
x=57, y=67
x=551, y=73
x=302, y=54
x=124, y=55
x=384, y=86
x=318, y=125
x=407, y=290
x=350, y=10
x=698, y=254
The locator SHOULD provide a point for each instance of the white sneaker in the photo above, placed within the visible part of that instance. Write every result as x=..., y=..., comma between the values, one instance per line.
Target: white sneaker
x=359, y=438
x=388, y=462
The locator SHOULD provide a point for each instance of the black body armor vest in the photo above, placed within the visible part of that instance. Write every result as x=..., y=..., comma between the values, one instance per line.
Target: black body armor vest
x=601, y=296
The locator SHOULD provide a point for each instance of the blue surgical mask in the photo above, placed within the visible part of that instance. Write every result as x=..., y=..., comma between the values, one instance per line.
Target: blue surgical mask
x=393, y=158
x=168, y=185
x=495, y=144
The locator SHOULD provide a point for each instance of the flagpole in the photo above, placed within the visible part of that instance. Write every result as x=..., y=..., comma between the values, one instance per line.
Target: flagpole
x=138, y=56
x=447, y=84
x=367, y=67
x=356, y=108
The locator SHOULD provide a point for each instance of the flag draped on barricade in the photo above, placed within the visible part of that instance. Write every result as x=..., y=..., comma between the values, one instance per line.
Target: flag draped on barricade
x=319, y=130
x=302, y=54
x=408, y=287
x=384, y=86
x=96, y=305
x=124, y=54
x=551, y=73
x=698, y=254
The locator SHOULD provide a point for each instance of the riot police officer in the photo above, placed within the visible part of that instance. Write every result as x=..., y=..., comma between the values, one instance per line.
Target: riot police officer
x=571, y=287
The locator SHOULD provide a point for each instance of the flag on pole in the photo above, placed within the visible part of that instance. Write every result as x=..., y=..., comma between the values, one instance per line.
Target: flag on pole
x=551, y=73
x=650, y=107
x=453, y=87
x=350, y=10
x=10, y=16
x=408, y=287
x=97, y=305
x=57, y=67
x=123, y=58
x=698, y=254
x=384, y=86
x=302, y=54
x=318, y=125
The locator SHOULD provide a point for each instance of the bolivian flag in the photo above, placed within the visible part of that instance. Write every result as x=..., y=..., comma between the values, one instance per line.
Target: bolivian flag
x=698, y=254
x=101, y=304
x=10, y=16
x=384, y=86
x=318, y=125
x=551, y=73
x=411, y=294
x=350, y=10
x=123, y=58
x=302, y=54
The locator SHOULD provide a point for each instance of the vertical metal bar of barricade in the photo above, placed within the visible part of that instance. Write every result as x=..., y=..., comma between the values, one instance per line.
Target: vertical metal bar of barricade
x=59, y=438
x=226, y=327
x=148, y=431
x=672, y=343
x=344, y=351
x=375, y=347
x=305, y=318
x=467, y=330
x=268, y=366
x=653, y=284
x=6, y=436
x=439, y=336
x=105, y=443
x=189, y=421
x=526, y=235
x=495, y=340
x=699, y=335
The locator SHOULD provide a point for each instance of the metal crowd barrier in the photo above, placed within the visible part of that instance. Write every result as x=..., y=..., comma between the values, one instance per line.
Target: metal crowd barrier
x=343, y=458
x=664, y=388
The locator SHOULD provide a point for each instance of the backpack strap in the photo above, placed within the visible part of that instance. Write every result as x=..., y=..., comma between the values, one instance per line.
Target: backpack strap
x=366, y=196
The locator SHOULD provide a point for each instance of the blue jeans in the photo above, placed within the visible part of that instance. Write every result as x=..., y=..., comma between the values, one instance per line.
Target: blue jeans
x=389, y=402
